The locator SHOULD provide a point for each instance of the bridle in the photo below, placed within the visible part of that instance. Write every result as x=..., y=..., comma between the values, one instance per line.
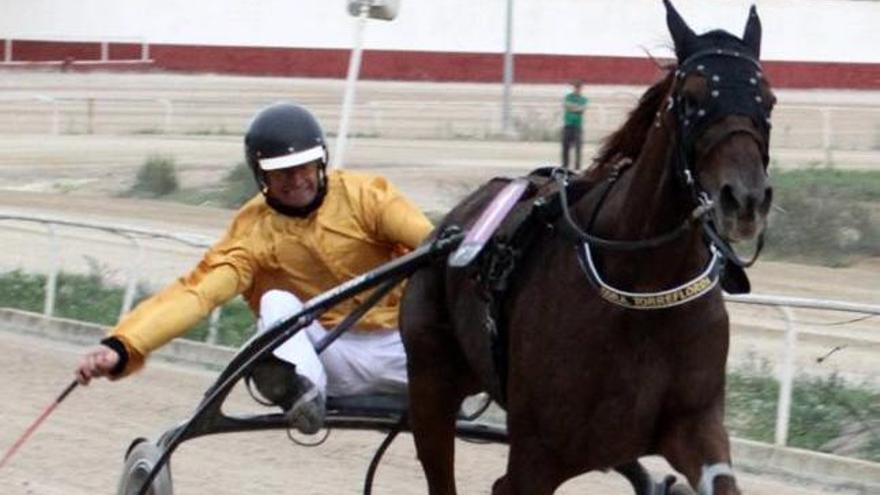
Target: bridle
x=733, y=87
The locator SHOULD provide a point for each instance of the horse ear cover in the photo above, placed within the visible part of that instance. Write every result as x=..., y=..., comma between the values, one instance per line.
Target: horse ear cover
x=752, y=33
x=682, y=35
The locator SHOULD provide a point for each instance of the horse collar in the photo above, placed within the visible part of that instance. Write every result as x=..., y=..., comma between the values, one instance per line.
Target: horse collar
x=684, y=293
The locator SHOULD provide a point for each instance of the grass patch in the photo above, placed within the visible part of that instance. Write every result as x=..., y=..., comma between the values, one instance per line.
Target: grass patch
x=234, y=190
x=238, y=186
x=533, y=127
x=823, y=410
x=157, y=177
x=79, y=297
x=821, y=216
x=825, y=216
x=91, y=298
x=847, y=185
x=236, y=325
x=212, y=131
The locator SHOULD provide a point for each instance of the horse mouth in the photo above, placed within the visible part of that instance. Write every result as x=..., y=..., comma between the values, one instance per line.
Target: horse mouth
x=742, y=217
x=738, y=230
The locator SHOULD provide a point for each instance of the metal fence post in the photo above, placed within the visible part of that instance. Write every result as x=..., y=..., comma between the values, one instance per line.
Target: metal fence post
x=7, y=50
x=214, y=325
x=56, y=118
x=826, y=136
x=131, y=277
x=376, y=114
x=90, y=116
x=354, y=67
x=169, y=112
x=786, y=378
x=52, y=278
x=55, y=124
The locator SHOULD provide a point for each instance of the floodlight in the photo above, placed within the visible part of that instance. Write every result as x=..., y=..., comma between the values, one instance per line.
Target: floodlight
x=385, y=10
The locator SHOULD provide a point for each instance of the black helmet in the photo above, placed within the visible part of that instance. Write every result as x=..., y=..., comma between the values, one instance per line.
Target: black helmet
x=286, y=135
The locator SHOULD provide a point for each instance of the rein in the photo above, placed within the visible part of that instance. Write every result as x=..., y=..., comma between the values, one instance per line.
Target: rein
x=676, y=296
x=579, y=235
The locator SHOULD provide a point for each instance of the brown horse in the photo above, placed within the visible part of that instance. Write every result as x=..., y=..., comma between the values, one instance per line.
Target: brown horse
x=605, y=363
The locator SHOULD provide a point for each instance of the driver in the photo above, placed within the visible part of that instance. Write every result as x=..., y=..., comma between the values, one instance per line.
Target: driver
x=307, y=231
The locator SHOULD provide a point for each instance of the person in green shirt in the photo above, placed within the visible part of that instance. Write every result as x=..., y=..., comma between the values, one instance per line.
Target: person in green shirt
x=574, y=105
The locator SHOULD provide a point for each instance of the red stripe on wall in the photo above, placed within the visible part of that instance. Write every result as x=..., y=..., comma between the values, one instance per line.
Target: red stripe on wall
x=823, y=75
x=304, y=62
x=433, y=66
x=41, y=51
x=124, y=51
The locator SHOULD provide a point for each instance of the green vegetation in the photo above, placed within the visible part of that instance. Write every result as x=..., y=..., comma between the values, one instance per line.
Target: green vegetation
x=157, y=177
x=532, y=127
x=825, y=216
x=823, y=409
x=213, y=131
x=238, y=186
x=92, y=299
x=820, y=215
x=848, y=185
x=234, y=190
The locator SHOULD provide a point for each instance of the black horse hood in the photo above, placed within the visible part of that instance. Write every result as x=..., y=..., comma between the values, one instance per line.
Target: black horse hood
x=688, y=43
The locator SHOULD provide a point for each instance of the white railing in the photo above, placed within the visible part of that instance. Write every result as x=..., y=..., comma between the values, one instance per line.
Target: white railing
x=786, y=379
x=62, y=104
x=133, y=235
x=822, y=129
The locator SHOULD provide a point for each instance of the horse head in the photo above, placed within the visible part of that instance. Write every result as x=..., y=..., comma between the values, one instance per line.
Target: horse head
x=720, y=103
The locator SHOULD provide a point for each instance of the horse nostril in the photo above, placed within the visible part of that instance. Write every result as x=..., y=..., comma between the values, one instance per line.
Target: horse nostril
x=729, y=204
x=764, y=207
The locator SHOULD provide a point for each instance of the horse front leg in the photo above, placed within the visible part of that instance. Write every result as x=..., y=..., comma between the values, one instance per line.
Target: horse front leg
x=533, y=467
x=529, y=472
x=698, y=447
x=434, y=404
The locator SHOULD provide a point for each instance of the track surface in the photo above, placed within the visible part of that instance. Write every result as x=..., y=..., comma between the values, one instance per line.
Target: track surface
x=79, y=449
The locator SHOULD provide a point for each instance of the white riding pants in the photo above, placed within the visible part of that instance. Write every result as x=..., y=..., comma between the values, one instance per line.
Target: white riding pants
x=357, y=363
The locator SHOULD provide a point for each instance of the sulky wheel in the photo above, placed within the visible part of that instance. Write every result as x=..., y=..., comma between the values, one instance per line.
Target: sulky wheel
x=142, y=455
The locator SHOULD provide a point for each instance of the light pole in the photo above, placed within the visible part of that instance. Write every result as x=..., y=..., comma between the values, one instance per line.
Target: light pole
x=506, y=127
x=363, y=10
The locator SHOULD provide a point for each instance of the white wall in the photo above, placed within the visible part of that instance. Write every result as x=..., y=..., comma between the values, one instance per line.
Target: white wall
x=803, y=30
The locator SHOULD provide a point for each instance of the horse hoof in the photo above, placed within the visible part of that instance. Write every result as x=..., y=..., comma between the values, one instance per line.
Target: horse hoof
x=663, y=487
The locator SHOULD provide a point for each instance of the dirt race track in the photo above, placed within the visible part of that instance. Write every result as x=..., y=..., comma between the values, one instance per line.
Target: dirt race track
x=79, y=449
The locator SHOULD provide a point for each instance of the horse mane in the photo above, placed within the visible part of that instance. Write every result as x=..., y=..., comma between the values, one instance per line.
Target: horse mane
x=628, y=140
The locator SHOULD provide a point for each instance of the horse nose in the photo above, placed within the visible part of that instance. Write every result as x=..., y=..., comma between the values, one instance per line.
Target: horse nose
x=744, y=202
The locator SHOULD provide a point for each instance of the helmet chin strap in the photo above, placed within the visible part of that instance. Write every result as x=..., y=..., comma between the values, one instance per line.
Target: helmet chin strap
x=300, y=211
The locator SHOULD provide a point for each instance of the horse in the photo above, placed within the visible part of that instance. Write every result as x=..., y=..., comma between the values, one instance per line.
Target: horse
x=611, y=344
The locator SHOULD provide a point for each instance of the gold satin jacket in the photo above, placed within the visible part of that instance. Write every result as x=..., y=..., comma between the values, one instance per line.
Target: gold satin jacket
x=363, y=222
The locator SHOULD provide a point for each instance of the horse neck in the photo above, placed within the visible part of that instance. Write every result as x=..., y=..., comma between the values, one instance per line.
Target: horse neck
x=648, y=203
x=651, y=202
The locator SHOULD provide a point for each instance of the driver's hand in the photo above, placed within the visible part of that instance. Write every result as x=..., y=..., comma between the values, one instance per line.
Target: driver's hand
x=98, y=362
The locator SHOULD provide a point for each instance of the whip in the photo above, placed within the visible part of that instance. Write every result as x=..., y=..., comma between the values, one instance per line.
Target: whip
x=9, y=453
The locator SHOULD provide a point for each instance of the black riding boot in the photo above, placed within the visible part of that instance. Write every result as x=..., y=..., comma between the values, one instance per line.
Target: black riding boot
x=279, y=383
